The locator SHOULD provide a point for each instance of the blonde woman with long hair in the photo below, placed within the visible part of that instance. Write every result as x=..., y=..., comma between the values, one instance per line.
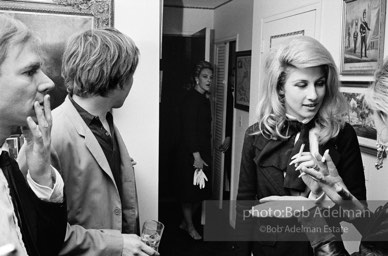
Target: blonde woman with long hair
x=300, y=110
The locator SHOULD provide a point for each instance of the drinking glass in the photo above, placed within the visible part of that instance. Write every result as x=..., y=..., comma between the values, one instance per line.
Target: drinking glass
x=152, y=233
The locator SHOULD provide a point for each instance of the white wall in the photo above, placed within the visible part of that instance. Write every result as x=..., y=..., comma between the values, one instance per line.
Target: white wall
x=234, y=20
x=186, y=21
x=138, y=119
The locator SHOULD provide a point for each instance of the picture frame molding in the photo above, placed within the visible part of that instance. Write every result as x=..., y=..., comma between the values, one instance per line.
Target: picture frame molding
x=72, y=15
x=237, y=103
x=369, y=70
x=101, y=10
x=276, y=40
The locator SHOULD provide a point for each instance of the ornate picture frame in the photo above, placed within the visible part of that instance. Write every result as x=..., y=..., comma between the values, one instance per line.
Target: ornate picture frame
x=363, y=30
x=360, y=116
x=243, y=80
x=54, y=21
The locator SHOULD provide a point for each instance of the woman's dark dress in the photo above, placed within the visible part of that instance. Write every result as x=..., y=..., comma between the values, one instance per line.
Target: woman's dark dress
x=194, y=136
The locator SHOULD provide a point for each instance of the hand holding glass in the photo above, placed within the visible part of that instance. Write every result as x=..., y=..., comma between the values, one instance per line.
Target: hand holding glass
x=152, y=233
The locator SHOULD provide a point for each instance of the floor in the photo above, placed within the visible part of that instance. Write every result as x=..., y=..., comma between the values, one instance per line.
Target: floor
x=176, y=242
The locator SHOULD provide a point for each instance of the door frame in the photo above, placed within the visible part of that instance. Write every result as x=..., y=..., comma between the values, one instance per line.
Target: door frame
x=225, y=41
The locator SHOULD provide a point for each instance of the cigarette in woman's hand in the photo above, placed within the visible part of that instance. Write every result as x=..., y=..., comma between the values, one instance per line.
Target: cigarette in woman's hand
x=301, y=150
x=300, y=153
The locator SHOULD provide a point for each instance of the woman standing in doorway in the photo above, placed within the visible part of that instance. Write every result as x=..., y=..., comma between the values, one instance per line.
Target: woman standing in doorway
x=194, y=150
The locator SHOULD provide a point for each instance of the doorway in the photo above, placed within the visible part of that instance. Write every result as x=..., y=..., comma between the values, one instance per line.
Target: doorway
x=180, y=54
x=229, y=118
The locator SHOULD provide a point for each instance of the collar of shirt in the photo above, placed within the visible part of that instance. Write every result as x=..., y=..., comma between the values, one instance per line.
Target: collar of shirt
x=89, y=118
x=304, y=121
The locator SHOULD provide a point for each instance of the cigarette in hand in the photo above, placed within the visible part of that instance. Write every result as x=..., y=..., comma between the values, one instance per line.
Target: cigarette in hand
x=300, y=153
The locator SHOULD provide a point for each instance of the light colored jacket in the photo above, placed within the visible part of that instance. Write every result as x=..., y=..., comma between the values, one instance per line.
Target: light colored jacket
x=93, y=199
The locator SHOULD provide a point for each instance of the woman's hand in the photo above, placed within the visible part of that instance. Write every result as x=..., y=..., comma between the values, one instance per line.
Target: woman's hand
x=326, y=175
x=225, y=145
x=198, y=161
x=199, y=176
x=307, y=160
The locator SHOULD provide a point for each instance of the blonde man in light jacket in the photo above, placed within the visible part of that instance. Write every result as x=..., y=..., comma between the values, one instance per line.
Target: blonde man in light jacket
x=98, y=67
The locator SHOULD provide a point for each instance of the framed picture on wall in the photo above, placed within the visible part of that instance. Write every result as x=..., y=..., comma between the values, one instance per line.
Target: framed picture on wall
x=362, y=36
x=55, y=21
x=360, y=115
x=243, y=80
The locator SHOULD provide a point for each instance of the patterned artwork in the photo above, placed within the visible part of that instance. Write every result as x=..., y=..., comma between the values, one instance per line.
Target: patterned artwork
x=54, y=21
x=360, y=116
x=362, y=36
x=243, y=79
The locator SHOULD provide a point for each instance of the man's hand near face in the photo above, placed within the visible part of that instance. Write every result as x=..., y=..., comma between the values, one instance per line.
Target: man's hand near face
x=38, y=141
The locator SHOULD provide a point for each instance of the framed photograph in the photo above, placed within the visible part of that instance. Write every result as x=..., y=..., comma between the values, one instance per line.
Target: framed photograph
x=55, y=21
x=360, y=116
x=243, y=80
x=363, y=29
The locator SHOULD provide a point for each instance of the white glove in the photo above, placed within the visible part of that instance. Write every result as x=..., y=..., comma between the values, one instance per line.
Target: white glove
x=203, y=179
x=195, y=177
x=199, y=178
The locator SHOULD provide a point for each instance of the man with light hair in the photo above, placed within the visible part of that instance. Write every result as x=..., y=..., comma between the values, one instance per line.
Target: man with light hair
x=98, y=67
x=32, y=209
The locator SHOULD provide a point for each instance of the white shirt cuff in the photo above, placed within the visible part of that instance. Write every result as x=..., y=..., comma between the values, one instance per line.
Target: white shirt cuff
x=54, y=195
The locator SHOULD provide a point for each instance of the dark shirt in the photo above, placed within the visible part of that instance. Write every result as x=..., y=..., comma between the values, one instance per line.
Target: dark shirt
x=263, y=162
x=42, y=224
x=363, y=27
x=107, y=142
